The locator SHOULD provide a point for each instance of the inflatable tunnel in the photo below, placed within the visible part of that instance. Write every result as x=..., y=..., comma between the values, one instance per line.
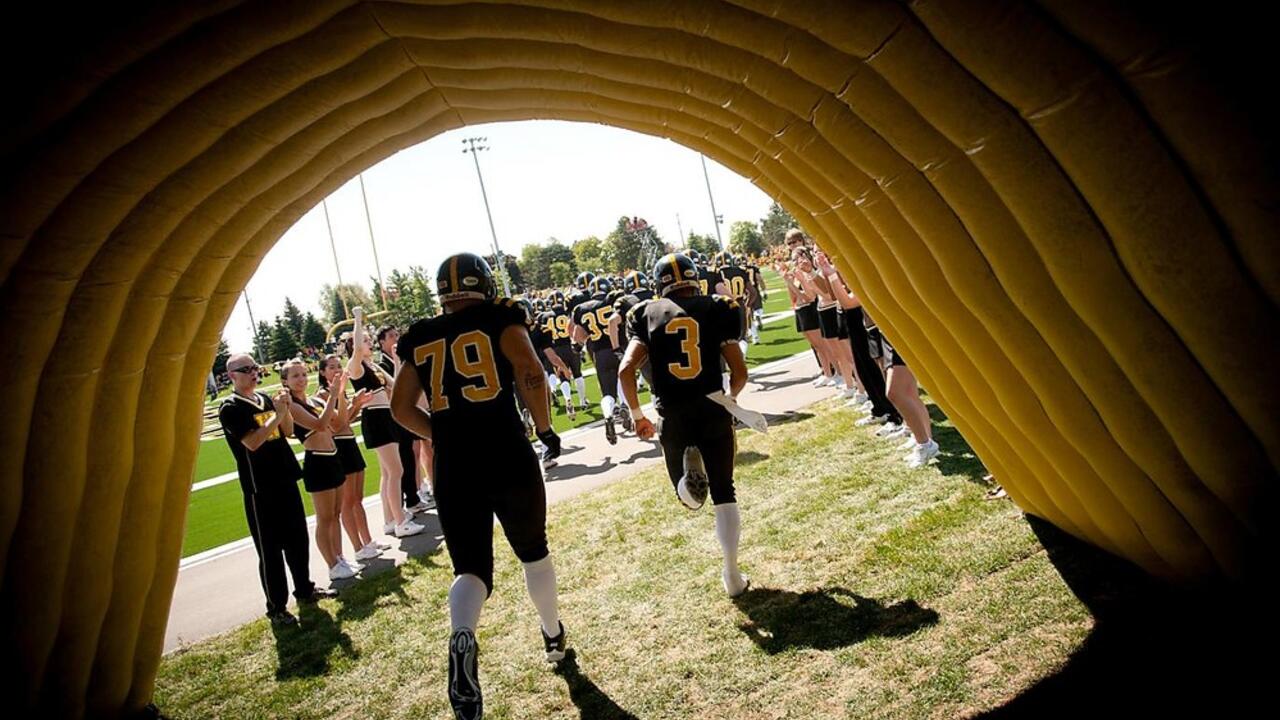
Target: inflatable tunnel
x=1057, y=210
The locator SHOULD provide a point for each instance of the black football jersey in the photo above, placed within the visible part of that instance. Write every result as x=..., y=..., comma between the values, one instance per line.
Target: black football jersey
x=738, y=280
x=469, y=383
x=643, y=294
x=684, y=336
x=576, y=299
x=707, y=280
x=622, y=308
x=556, y=323
x=593, y=315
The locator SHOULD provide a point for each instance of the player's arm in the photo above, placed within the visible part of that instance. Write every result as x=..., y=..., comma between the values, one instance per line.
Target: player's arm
x=637, y=353
x=577, y=333
x=732, y=354
x=612, y=329
x=722, y=286
x=556, y=363
x=531, y=383
x=355, y=365
x=404, y=402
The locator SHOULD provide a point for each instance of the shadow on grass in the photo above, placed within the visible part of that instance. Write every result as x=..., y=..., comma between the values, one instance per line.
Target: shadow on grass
x=825, y=619
x=955, y=457
x=786, y=417
x=748, y=457
x=590, y=700
x=777, y=384
x=303, y=650
x=1155, y=650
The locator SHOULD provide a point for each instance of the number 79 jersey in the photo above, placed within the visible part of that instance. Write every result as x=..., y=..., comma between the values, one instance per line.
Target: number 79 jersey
x=468, y=382
x=684, y=336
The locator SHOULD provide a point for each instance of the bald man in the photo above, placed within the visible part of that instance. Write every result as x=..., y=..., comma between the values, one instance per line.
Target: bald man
x=256, y=427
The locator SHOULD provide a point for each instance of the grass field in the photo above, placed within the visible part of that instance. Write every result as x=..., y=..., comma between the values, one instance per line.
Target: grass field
x=877, y=592
x=215, y=515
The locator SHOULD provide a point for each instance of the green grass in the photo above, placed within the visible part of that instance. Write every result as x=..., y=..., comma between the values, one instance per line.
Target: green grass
x=877, y=592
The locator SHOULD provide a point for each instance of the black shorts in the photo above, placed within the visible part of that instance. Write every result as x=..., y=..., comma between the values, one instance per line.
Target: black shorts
x=709, y=427
x=322, y=471
x=829, y=323
x=349, y=454
x=892, y=355
x=570, y=358
x=646, y=371
x=607, y=363
x=474, y=484
x=807, y=317
x=378, y=427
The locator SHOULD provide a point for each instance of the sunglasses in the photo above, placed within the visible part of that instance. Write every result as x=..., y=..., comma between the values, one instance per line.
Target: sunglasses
x=247, y=369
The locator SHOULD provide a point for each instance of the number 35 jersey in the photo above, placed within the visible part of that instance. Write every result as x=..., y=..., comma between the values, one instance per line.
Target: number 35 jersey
x=684, y=336
x=468, y=382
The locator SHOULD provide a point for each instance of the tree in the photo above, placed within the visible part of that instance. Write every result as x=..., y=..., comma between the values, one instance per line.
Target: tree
x=410, y=297
x=745, y=238
x=704, y=244
x=775, y=225
x=562, y=274
x=591, y=254
x=533, y=261
x=313, y=332
x=262, y=342
x=633, y=245
x=293, y=319
x=220, y=359
x=514, y=275
x=355, y=296
x=283, y=344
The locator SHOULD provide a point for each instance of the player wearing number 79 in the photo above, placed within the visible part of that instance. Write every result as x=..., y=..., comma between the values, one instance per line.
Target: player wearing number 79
x=469, y=362
x=684, y=335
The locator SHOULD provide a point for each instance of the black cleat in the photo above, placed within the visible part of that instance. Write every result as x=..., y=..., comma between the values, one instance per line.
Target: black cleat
x=554, y=646
x=464, y=676
x=610, y=432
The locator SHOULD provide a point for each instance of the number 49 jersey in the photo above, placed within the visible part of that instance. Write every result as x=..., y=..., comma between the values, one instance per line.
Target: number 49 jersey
x=684, y=336
x=468, y=382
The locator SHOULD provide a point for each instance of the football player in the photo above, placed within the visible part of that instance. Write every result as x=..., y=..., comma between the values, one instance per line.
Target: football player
x=558, y=326
x=470, y=362
x=591, y=327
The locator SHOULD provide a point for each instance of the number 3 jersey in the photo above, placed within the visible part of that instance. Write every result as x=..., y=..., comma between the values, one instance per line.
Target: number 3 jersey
x=684, y=336
x=468, y=382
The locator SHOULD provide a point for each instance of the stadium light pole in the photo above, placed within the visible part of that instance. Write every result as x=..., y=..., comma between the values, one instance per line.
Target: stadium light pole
x=680, y=229
x=716, y=218
x=473, y=148
x=252, y=324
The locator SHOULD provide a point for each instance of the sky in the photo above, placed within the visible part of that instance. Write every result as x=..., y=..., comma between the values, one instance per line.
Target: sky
x=544, y=179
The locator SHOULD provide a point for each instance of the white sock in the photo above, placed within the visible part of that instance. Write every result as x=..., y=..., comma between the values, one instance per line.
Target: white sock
x=567, y=391
x=582, y=389
x=743, y=344
x=466, y=598
x=540, y=578
x=728, y=530
x=620, y=394
x=606, y=404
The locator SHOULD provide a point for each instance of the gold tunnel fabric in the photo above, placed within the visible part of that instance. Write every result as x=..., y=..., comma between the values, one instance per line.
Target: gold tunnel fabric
x=1052, y=209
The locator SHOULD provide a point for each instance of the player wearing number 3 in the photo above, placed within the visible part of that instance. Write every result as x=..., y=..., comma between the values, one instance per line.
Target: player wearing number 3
x=684, y=334
x=470, y=362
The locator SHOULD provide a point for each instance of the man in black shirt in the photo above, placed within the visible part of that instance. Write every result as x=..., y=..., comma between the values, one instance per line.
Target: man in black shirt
x=256, y=427
x=470, y=362
x=558, y=325
x=684, y=334
x=591, y=326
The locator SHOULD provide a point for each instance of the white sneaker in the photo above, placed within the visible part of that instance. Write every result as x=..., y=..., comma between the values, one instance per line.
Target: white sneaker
x=820, y=381
x=428, y=501
x=368, y=552
x=419, y=508
x=897, y=432
x=389, y=528
x=837, y=382
x=888, y=429
x=860, y=398
x=734, y=586
x=828, y=381
x=340, y=571
x=922, y=454
x=855, y=403
x=355, y=566
x=381, y=545
x=909, y=443
x=847, y=393
x=407, y=528
x=872, y=420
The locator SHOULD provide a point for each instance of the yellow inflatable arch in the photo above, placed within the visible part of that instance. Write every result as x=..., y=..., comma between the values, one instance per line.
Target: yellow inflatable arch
x=1052, y=210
